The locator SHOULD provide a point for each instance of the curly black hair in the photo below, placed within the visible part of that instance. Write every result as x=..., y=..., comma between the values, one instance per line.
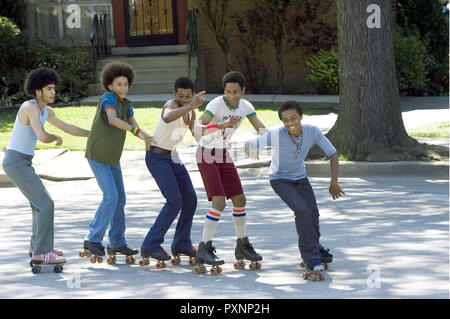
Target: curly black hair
x=39, y=78
x=115, y=69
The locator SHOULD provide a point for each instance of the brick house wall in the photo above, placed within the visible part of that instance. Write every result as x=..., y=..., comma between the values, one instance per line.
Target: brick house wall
x=294, y=60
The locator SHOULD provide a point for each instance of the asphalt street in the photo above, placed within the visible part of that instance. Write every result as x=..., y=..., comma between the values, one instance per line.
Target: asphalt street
x=389, y=237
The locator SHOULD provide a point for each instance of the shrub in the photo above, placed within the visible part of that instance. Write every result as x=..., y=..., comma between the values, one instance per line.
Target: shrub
x=13, y=56
x=411, y=61
x=425, y=20
x=324, y=71
x=19, y=55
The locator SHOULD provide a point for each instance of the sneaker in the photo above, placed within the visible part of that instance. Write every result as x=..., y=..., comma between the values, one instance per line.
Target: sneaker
x=49, y=258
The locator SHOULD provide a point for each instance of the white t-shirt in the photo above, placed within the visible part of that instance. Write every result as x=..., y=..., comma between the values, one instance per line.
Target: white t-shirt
x=221, y=111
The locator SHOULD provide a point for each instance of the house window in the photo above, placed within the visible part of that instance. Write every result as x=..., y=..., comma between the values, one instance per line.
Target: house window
x=66, y=21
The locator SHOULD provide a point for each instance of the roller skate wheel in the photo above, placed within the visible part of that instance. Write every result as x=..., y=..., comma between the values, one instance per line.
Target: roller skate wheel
x=197, y=270
x=158, y=265
x=109, y=261
x=305, y=276
x=57, y=269
x=252, y=266
x=93, y=260
x=191, y=261
x=302, y=265
x=175, y=261
x=312, y=277
x=128, y=260
x=99, y=260
x=213, y=271
x=81, y=254
x=322, y=277
x=258, y=266
x=219, y=269
x=35, y=270
x=236, y=265
x=142, y=263
x=163, y=265
x=133, y=260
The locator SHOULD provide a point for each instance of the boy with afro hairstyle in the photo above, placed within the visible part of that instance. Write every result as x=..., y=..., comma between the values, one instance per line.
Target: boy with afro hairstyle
x=28, y=128
x=113, y=118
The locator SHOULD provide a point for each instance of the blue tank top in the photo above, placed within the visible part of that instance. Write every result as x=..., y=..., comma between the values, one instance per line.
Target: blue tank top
x=23, y=139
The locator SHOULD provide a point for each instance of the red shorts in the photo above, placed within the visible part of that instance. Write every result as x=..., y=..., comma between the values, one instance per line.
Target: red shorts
x=219, y=174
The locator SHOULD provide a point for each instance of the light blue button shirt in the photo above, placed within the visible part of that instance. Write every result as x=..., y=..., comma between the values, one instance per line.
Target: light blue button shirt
x=287, y=157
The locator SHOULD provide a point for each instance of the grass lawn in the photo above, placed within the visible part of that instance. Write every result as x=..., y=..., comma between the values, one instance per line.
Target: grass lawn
x=435, y=130
x=147, y=117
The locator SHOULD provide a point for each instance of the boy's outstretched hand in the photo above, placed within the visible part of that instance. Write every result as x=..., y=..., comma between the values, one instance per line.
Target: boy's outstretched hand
x=198, y=99
x=335, y=191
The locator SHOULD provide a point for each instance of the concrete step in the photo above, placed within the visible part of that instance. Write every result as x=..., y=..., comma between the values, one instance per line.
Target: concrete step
x=152, y=61
x=144, y=87
x=162, y=74
x=160, y=49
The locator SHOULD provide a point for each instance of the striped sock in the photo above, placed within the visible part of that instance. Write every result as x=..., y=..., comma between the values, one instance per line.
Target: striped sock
x=211, y=222
x=239, y=219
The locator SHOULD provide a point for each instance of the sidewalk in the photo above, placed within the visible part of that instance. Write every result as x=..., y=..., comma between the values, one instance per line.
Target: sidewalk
x=53, y=164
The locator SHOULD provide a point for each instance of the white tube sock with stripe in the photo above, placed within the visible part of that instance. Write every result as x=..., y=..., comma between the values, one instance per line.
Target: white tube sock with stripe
x=239, y=219
x=210, y=225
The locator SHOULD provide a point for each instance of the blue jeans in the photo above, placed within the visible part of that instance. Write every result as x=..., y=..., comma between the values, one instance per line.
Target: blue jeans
x=299, y=196
x=175, y=184
x=111, y=210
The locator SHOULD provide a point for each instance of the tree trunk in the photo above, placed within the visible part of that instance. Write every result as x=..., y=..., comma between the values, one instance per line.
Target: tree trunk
x=370, y=125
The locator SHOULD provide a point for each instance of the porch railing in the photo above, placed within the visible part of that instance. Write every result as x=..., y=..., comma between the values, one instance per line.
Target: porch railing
x=99, y=36
x=192, y=36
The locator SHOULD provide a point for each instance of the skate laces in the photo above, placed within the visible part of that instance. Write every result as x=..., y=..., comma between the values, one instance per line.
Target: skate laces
x=324, y=251
x=48, y=257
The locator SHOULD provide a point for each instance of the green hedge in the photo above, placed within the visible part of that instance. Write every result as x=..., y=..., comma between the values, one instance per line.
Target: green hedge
x=19, y=55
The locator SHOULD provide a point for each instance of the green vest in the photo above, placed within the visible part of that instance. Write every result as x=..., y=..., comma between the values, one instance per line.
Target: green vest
x=105, y=142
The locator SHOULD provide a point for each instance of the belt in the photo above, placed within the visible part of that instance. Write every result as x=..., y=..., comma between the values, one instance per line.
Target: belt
x=214, y=150
x=159, y=150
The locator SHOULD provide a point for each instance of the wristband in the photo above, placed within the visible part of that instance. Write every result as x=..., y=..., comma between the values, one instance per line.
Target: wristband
x=135, y=130
x=212, y=127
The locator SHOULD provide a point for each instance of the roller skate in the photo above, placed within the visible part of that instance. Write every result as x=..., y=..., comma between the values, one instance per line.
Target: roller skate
x=176, y=260
x=325, y=257
x=124, y=251
x=160, y=256
x=93, y=251
x=55, y=251
x=314, y=270
x=245, y=250
x=205, y=255
x=50, y=259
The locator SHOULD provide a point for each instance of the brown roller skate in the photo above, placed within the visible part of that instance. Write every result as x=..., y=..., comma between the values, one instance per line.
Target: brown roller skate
x=160, y=256
x=123, y=251
x=191, y=253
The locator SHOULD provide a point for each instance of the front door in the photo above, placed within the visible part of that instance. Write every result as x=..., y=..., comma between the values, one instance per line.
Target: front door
x=151, y=22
